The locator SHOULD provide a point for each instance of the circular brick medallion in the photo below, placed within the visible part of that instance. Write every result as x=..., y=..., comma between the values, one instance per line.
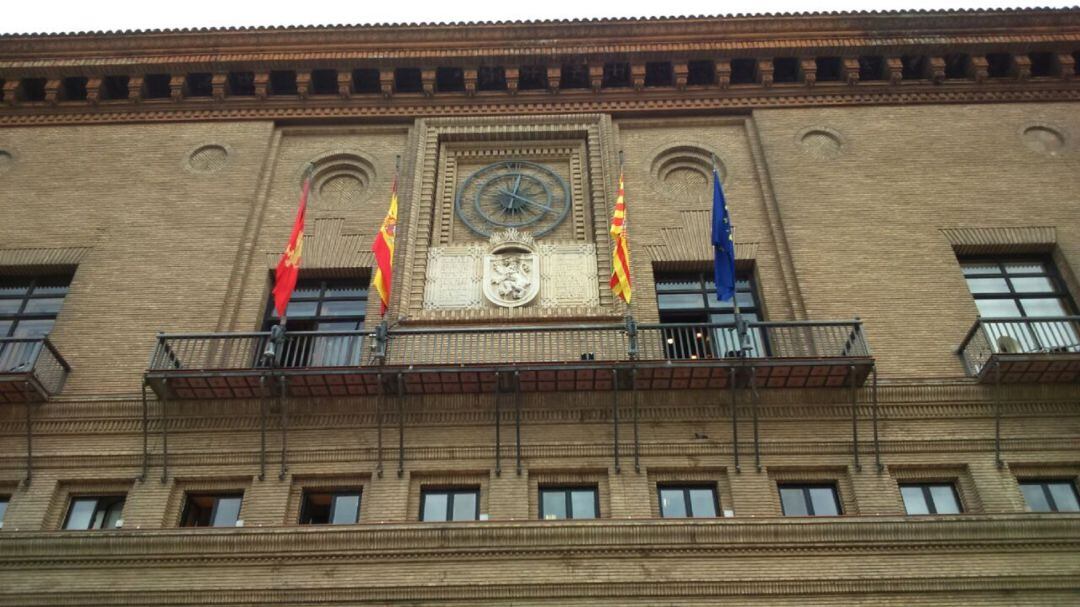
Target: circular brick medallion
x=1043, y=139
x=7, y=160
x=208, y=158
x=342, y=180
x=684, y=173
x=821, y=143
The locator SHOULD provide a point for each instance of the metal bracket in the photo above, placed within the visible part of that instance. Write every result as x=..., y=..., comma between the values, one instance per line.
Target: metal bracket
x=164, y=430
x=734, y=417
x=380, y=400
x=874, y=412
x=498, y=422
x=401, y=425
x=29, y=433
x=854, y=420
x=997, y=415
x=284, y=427
x=517, y=421
x=754, y=411
x=615, y=415
x=145, y=436
x=262, y=427
x=637, y=436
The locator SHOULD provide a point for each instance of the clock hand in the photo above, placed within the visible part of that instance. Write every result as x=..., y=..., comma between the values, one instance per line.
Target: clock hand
x=527, y=201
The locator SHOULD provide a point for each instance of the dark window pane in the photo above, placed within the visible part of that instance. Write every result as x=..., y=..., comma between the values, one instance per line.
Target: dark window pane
x=944, y=497
x=997, y=308
x=793, y=501
x=302, y=308
x=50, y=305
x=975, y=268
x=81, y=514
x=672, y=503
x=987, y=285
x=680, y=301
x=1064, y=495
x=1033, y=284
x=435, y=506
x=316, y=509
x=346, y=509
x=1044, y=307
x=464, y=507
x=10, y=306
x=914, y=500
x=689, y=283
x=703, y=503
x=343, y=308
x=583, y=503
x=553, y=504
x=1025, y=267
x=1035, y=497
x=823, y=500
x=228, y=512
x=33, y=328
x=3, y=507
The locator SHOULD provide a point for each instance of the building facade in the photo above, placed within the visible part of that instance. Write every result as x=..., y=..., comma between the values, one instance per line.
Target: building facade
x=897, y=424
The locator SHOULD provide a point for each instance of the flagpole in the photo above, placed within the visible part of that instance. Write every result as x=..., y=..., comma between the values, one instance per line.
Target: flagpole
x=741, y=327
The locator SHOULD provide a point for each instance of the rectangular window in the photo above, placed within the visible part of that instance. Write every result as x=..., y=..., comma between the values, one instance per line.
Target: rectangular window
x=1022, y=288
x=1050, y=495
x=557, y=503
x=3, y=507
x=212, y=510
x=809, y=500
x=687, y=501
x=930, y=498
x=94, y=512
x=450, y=505
x=330, y=507
x=28, y=309
x=702, y=325
x=324, y=306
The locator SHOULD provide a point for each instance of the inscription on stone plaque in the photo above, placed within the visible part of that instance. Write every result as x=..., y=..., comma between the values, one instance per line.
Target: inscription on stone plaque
x=453, y=278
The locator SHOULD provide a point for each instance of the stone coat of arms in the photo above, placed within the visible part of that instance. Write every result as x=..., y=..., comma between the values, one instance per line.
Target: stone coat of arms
x=511, y=269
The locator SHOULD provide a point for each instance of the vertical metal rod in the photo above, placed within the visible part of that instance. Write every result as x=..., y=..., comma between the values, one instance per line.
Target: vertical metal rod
x=615, y=415
x=401, y=425
x=262, y=427
x=517, y=421
x=754, y=411
x=734, y=417
x=997, y=414
x=637, y=437
x=164, y=430
x=284, y=427
x=379, y=401
x=29, y=433
x=498, y=422
x=874, y=411
x=145, y=437
x=854, y=420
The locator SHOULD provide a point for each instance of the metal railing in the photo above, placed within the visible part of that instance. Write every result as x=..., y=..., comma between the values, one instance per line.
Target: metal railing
x=541, y=344
x=241, y=351
x=35, y=357
x=990, y=336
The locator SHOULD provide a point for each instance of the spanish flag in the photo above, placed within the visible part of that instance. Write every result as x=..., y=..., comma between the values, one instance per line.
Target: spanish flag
x=620, y=255
x=383, y=248
x=288, y=268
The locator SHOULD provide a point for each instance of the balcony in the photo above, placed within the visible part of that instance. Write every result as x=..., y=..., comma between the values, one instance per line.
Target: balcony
x=1023, y=350
x=548, y=358
x=30, y=369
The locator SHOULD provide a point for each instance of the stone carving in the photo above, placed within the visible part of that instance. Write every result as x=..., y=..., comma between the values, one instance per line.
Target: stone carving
x=511, y=269
x=569, y=275
x=453, y=278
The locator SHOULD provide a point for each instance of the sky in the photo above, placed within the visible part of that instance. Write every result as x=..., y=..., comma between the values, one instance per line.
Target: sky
x=105, y=15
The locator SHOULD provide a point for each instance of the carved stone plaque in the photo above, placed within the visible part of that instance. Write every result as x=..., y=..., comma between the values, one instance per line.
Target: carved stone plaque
x=453, y=278
x=569, y=275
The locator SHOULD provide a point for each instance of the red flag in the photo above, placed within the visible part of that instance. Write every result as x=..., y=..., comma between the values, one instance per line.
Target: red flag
x=383, y=248
x=620, y=254
x=288, y=268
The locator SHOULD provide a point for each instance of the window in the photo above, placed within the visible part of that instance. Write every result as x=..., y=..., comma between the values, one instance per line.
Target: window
x=1050, y=495
x=330, y=507
x=94, y=512
x=28, y=309
x=930, y=498
x=450, y=504
x=809, y=500
x=3, y=507
x=1015, y=287
x=686, y=501
x=688, y=301
x=323, y=305
x=212, y=510
x=557, y=503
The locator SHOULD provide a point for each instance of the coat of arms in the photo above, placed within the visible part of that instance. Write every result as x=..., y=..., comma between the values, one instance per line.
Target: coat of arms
x=511, y=269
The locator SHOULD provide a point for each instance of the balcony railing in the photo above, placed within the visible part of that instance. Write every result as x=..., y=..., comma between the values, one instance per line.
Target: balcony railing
x=545, y=357
x=1023, y=349
x=30, y=363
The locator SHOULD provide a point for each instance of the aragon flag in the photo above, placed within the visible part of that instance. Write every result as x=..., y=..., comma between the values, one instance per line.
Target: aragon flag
x=383, y=248
x=620, y=254
x=288, y=267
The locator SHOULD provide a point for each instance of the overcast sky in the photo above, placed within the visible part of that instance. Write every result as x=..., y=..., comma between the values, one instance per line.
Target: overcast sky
x=26, y=16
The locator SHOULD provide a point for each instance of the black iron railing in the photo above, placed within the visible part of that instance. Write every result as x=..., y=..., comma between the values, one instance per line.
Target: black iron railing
x=34, y=358
x=546, y=344
x=990, y=336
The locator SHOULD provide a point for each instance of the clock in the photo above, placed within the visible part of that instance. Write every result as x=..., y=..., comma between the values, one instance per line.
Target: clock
x=513, y=194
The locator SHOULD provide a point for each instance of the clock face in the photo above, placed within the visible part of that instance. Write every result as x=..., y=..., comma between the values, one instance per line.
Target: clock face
x=513, y=194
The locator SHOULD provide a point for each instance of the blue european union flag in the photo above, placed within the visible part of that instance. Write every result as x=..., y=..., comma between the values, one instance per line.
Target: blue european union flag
x=723, y=245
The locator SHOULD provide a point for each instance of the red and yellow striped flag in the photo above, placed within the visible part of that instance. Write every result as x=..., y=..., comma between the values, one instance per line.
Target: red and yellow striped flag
x=383, y=248
x=620, y=254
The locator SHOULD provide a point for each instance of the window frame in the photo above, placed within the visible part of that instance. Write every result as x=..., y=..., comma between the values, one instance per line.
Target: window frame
x=218, y=496
x=686, y=488
x=113, y=498
x=681, y=346
x=1052, y=274
x=450, y=493
x=928, y=497
x=567, y=490
x=1044, y=484
x=20, y=315
x=270, y=317
x=334, y=494
x=808, y=503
